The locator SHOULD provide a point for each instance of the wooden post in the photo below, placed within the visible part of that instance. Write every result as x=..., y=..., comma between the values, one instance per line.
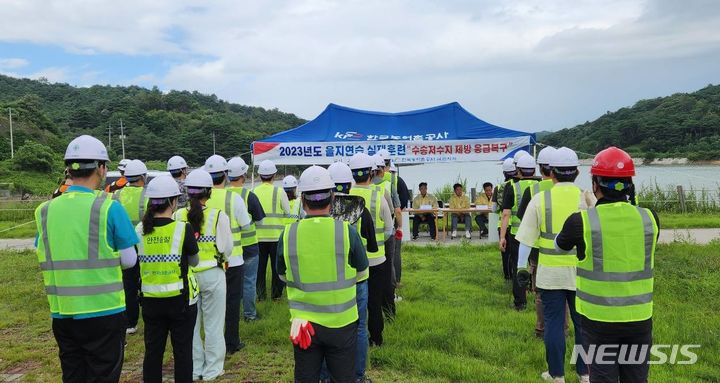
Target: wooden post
x=472, y=195
x=681, y=199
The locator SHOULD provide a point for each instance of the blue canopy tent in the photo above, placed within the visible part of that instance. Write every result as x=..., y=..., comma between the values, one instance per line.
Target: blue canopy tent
x=444, y=133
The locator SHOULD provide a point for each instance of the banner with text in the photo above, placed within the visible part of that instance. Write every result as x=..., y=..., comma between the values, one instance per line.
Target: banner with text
x=402, y=152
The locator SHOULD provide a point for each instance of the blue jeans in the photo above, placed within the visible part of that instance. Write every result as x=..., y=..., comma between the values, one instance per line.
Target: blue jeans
x=553, y=302
x=362, y=343
x=250, y=255
x=465, y=217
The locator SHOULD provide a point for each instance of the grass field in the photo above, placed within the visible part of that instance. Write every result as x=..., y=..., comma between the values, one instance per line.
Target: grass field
x=454, y=324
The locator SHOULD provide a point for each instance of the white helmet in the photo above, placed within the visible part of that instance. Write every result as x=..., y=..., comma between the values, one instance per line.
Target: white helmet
x=162, y=186
x=340, y=173
x=526, y=162
x=393, y=168
x=199, y=178
x=216, y=164
x=519, y=154
x=135, y=168
x=289, y=182
x=361, y=161
x=379, y=162
x=267, y=168
x=384, y=154
x=176, y=163
x=237, y=167
x=508, y=165
x=315, y=178
x=86, y=148
x=564, y=158
x=122, y=164
x=545, y=155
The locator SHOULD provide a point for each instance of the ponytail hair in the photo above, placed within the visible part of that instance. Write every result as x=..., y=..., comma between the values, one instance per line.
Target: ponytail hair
x=155, y=206
x=195, y=214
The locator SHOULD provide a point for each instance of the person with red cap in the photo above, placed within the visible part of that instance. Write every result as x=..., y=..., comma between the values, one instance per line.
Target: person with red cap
x=615, y=242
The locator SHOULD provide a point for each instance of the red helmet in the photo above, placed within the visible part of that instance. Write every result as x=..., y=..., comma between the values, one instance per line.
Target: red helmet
x=613, y=162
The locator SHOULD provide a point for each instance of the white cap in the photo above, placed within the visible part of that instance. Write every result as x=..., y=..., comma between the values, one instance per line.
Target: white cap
x=340, y=173
x=564, y=157
x=508, y=165
x=545, y=155
x=379, y=162
x=216, y=164
x=237, y=167
x=519, y=154
x=162, y=186
x=289, y=182
x=199, y=178
x=315, y=178
x=384, y=154
x=267, y=168
x=135, y=168
x=361, y=161
x=86, y=148
x=393, y=168
x=122, y=164
x=176, y=163
x=526, y=162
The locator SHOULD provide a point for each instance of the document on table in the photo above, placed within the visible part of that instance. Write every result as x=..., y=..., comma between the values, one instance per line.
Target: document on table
x=425, y=207
x=481, y=207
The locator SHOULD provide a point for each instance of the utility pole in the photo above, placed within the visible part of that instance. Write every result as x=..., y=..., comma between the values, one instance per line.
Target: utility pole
x=122, y=137
x=12, y=147
x=213, y=142
x=109, y=135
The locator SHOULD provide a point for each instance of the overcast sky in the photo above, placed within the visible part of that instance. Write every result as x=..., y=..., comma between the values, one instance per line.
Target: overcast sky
x=527, y=65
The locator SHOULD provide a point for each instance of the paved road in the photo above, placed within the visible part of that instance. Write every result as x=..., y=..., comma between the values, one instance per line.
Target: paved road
x=699, y=236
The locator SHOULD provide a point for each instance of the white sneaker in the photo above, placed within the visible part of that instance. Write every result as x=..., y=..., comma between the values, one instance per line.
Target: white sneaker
x=398, y=298
x=549, y=378
x=213, y=378
x=453, y=234
x=130, y=330
x=467, y=235
x=584, y=378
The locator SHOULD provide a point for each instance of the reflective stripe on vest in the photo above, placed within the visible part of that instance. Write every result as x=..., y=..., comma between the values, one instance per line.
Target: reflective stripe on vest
x=159, y=254
x=625, y=293
x=270, y=227
x=519, y=188
x=362, y=275
x=225, y=203
x=557, y=204
x=208, y=254
x=372, y=196
x=321, y=283
x=248, y=235
x=78, y=279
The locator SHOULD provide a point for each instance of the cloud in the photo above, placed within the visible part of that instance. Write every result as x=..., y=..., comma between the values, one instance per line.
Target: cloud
x=12, y=63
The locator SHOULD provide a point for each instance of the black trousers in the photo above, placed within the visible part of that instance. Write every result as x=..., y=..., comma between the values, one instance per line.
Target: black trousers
x=376, y=287
x=163, y=316
x=91, y=350
x=337, y=346
x=482, y=222
x=388, y=303
x=628, y=333
x=505, y=255
x=519, y=292
x=234, y=278
x=131, y=284
x=424, y=218
x=268, y=251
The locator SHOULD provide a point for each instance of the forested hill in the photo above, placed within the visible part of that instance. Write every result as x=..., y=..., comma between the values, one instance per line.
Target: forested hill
x=157, y=125
x=684, y=125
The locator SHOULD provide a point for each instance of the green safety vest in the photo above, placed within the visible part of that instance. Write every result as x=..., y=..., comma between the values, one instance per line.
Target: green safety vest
x=373, y=203
x=81, y=272
x=160, y=255
x=270, y=227
x=248, y=235
x=615, y=280
x=537, y=188
x=320, y=282
x=519, y=188
x=392, y=179
x=132, y=198
x=362, y=275
x=295, y=207
x=556, y=205
x=208, y=253
x=223, y=200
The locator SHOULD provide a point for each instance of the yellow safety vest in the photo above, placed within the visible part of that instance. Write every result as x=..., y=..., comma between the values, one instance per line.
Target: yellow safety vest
x=373, y=203
x=132, y=199
x=209, y=255
x=223, y=200
x=248, y=235
x=519, y=188
x=270, y=227
x=556, y=205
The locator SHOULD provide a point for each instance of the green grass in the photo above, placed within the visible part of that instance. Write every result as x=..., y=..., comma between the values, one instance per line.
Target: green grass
x=454, y=324
x=688, y=221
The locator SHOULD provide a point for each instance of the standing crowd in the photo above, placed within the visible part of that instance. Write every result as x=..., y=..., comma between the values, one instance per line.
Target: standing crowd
x=189, y=253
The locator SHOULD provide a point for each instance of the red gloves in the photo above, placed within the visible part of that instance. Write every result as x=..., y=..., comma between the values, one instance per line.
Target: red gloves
x=398, y=234
x=301, y=333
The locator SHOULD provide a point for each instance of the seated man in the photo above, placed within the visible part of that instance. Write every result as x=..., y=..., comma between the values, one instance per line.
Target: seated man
x=460, y=201
x=484, y=199
x=424, y=201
